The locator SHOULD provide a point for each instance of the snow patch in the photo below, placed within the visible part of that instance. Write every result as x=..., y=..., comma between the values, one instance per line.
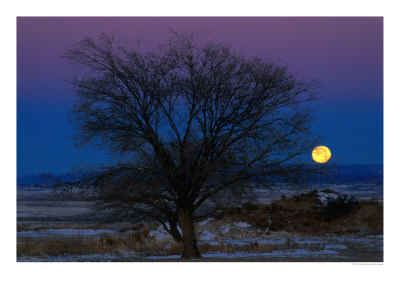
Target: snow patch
x=205, y=222
x=236, y=225
x=162, y=257
x=207, y=236
x=242, y=225
x=21, y=215
x=159, y=234
x=326, y=197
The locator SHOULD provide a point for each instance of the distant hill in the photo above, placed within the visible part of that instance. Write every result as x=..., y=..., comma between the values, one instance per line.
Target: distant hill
x=352, y=173
x=44, y=179
x=343, y=173
x=360, y=170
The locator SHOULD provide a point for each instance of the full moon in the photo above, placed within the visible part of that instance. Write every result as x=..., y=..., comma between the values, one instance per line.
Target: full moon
x=321, y=154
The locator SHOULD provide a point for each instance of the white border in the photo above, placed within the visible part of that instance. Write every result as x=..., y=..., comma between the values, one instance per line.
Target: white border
x=189, y=280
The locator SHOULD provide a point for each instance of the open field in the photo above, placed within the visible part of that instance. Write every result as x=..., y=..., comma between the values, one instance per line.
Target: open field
x=288, y=229
x=237, y=244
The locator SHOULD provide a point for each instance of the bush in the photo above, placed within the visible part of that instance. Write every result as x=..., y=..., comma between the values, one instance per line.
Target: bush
x=339, y=207
x=306, y=214
x=248, y=206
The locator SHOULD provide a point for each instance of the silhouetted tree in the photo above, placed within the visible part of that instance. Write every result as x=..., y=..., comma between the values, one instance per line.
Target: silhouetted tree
x=190, y=125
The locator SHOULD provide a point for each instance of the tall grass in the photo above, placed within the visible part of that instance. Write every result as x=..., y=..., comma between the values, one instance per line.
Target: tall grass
x=140, y=245
x=138, y=242
x=305, y=214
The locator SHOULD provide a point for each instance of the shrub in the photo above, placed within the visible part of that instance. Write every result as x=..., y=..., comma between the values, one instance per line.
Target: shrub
x=248, y=206
x=306, y=214
x=339, y=207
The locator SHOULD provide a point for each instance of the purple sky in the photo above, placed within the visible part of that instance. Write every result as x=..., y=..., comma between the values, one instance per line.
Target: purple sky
x=344, y=54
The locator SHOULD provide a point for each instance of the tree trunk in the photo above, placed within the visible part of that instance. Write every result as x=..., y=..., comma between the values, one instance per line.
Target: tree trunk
x=175, y=232
x=189, y=236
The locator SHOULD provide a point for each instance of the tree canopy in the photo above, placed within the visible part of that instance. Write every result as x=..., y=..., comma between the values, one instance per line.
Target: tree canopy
x=190, y=125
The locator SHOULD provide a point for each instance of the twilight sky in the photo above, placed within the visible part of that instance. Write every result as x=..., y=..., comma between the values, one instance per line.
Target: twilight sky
x=344, y=54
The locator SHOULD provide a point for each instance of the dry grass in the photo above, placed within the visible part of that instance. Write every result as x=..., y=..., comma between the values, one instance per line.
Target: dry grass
x=260, y=248
x=23, y=227
x=137, y=241
x=304, y=214
x=140, y=244
x=356, y=246
x=300, y=215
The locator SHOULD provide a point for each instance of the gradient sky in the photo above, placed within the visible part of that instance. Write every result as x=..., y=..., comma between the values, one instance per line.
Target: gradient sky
x=344, y=54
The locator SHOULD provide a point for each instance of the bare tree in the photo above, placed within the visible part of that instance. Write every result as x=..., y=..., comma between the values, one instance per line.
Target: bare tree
x=191, y=126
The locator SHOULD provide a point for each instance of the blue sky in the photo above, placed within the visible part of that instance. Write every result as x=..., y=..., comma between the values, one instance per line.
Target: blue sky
x=344, y=54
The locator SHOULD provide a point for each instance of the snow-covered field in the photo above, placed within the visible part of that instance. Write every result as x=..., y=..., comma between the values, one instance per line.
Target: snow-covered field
x=360, y=190
x=63, y=232
x=41, y=217
x=275, y=246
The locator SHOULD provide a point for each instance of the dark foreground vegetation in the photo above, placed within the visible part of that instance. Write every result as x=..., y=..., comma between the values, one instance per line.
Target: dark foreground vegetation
x=334, y=218
x=307, y=214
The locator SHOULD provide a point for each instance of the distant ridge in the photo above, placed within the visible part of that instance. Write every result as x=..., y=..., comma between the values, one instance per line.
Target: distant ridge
x=353, y=173
x=360, y=170
x=344, y=173
x=44, y=179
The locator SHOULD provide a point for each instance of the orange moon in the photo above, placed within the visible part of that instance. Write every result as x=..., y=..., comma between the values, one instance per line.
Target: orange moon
x=321, y=154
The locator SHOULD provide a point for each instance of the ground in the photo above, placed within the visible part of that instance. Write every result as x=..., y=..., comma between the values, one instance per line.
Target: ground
x=50, y=229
